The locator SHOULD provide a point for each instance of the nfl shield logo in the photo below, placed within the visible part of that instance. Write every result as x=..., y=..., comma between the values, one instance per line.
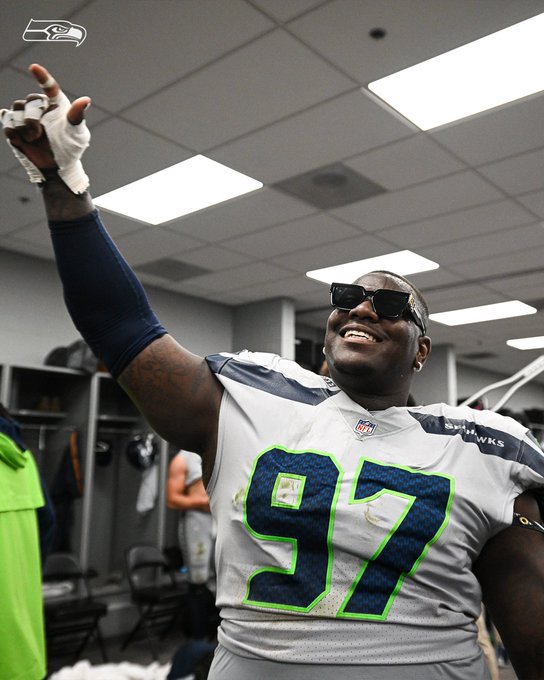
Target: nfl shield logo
x=364, y=426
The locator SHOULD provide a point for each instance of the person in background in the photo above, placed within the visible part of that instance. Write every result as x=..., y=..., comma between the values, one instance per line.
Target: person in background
x=355, y=534
x=22, y=638
x=196, y=533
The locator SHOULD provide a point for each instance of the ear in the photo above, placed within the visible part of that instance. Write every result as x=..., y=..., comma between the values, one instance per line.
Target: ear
x=423, y=351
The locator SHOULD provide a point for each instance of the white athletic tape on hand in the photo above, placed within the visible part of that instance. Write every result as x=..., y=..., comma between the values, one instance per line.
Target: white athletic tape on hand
x=35, y=107
x=68, y=143
x=35, y=176
x=48, y=83
x=6, y=118
x=32, y=171
x=18, y=117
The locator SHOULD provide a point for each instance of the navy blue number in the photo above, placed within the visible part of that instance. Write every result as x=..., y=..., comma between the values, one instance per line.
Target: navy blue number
x=289, y=499
x=425, y=517
x=292, y=497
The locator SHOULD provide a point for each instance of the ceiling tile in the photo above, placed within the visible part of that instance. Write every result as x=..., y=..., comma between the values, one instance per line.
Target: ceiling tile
x=292, y=236
x=459, y=224
x=416, y=30
x=21, y=204
x=499, y=133
x=15, y=18
x=111, y=166
x=424, y=200
x=286, y=287
x=243, y=215
x=519, y=174
x=170, y=269
x=276, y=88
x=533, y=202
x=117, y=225
x=36, y=234
x=245, y=87
x=410, y=161
x=140, y=47
x=283, y=10
x=500, y=265
x=435, y=278
x=523, y=286
x=239, y=277
x=26, y=247
x=214, y=258
x=462, y=295
x=152, y=243
x=334, y=130
x=470, y=249
x=330, y=186
x=336, y=252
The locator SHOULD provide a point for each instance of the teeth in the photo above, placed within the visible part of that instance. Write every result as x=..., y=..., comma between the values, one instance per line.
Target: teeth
x=360, y=334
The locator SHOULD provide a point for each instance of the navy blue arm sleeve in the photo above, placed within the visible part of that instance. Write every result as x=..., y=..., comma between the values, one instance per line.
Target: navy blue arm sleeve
x=106, y=301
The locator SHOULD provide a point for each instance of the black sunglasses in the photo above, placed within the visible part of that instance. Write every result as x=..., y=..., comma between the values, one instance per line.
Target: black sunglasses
x=390, y=304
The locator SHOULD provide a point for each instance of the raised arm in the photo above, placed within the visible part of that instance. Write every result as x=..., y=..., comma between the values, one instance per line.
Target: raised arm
x=511, y=572
x=172, y=387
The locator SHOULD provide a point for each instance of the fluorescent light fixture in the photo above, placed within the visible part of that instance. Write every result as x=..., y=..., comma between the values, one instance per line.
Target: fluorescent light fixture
x=178, y=190
x=403, y=262
x=488, y=72
x=500, y=310
x=527, y=343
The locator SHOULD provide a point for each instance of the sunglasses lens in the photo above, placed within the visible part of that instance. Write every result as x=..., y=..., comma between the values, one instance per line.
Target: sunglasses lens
x=346, y=297
x=387, y=303
x=390, y=303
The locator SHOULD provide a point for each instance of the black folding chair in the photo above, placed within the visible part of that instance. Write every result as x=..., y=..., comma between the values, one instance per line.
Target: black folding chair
x=159, y=596
x=72, y=615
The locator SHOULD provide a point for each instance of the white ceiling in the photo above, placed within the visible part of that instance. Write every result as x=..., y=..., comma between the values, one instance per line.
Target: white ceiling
x=275, y=88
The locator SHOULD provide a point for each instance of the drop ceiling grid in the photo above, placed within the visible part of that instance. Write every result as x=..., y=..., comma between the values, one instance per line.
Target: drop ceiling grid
x=470, y=193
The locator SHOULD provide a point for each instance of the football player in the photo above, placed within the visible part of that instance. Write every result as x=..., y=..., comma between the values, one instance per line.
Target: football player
x=355, y=534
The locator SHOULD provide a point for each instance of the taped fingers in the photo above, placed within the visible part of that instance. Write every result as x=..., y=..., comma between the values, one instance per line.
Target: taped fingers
x=49, y=82
x=45, y=80
x=6, y=118
x=18, y=113
x=26, y=115
x=35, y=106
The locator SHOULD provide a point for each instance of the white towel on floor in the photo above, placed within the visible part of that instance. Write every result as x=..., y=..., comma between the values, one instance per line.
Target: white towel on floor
x=114, y=671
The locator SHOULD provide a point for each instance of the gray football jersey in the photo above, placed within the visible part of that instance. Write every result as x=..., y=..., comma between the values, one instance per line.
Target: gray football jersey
x=343, y=534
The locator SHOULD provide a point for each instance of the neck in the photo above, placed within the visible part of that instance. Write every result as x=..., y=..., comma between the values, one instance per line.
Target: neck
x=370, y=393
x=376, y=402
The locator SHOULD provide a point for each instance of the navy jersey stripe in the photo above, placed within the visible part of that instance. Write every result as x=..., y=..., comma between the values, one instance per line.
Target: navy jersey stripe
x=267, y=380
x=489, y=440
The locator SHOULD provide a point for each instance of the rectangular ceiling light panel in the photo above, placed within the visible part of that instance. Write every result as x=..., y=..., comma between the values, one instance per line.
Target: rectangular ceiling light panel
x=536, y=342
x=181, y=189
x=500, y=310
x=403, y=262
x=481, y=75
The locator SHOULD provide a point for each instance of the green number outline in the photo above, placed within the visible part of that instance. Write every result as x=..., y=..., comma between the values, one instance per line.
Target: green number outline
x=352, y=500
x=393, y=530
x=292, y=541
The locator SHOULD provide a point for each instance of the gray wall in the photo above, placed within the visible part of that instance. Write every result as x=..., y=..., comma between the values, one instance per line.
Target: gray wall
x=267, y=326
x=34, y=319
